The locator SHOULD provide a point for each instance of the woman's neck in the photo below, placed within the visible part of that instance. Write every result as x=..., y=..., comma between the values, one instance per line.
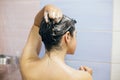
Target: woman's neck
x=56, y=55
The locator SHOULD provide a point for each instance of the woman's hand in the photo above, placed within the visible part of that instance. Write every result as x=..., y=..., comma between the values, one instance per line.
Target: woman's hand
x=49, y=11
x=87, y=69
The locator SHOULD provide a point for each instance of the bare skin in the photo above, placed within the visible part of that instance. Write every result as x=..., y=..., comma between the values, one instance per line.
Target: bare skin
x=52, y=66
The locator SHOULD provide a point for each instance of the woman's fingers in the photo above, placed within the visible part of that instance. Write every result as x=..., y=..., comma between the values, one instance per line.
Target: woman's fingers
x=82, y=68
x=46, y=16
x=52, y=12
x=58, y=17
x=87, y=69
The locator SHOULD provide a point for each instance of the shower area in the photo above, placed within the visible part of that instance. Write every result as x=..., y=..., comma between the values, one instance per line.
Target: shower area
x=98, y=35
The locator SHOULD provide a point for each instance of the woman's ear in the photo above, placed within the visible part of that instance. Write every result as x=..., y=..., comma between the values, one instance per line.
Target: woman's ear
x=67, y=38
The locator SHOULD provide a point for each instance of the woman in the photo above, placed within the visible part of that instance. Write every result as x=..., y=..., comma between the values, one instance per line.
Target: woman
x=57, y=31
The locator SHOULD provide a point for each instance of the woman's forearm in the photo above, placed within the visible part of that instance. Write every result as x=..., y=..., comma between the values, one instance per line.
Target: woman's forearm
x=33, y=45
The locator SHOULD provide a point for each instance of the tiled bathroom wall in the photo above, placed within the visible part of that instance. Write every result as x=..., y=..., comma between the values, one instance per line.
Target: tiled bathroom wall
x=16, y=19
x=115, y=61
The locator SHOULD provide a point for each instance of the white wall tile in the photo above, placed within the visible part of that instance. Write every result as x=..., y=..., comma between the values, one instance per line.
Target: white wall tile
x=115, y=72
x=116, y=15
x=115, y=66
x=116, y=47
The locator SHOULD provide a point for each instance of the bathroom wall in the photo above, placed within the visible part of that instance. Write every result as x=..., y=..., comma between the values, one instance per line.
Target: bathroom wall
x=115, y=62
x=94, y=34
x=16, y=19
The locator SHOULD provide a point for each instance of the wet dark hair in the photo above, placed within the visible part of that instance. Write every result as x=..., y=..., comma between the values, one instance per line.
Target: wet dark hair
x=52, y=32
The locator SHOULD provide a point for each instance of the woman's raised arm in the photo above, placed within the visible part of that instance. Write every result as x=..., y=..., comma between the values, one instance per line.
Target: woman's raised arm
x=33, y=45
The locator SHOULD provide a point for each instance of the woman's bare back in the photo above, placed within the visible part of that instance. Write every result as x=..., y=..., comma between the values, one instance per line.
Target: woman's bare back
x=47, y=69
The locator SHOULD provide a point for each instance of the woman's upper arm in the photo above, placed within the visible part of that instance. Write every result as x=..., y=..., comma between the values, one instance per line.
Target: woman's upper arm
x=33, y=45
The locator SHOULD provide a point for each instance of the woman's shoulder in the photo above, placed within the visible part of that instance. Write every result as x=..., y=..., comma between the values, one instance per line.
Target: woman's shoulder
x=78, y=74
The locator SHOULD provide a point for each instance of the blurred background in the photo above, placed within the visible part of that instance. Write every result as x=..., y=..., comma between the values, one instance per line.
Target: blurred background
x=98, y=35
